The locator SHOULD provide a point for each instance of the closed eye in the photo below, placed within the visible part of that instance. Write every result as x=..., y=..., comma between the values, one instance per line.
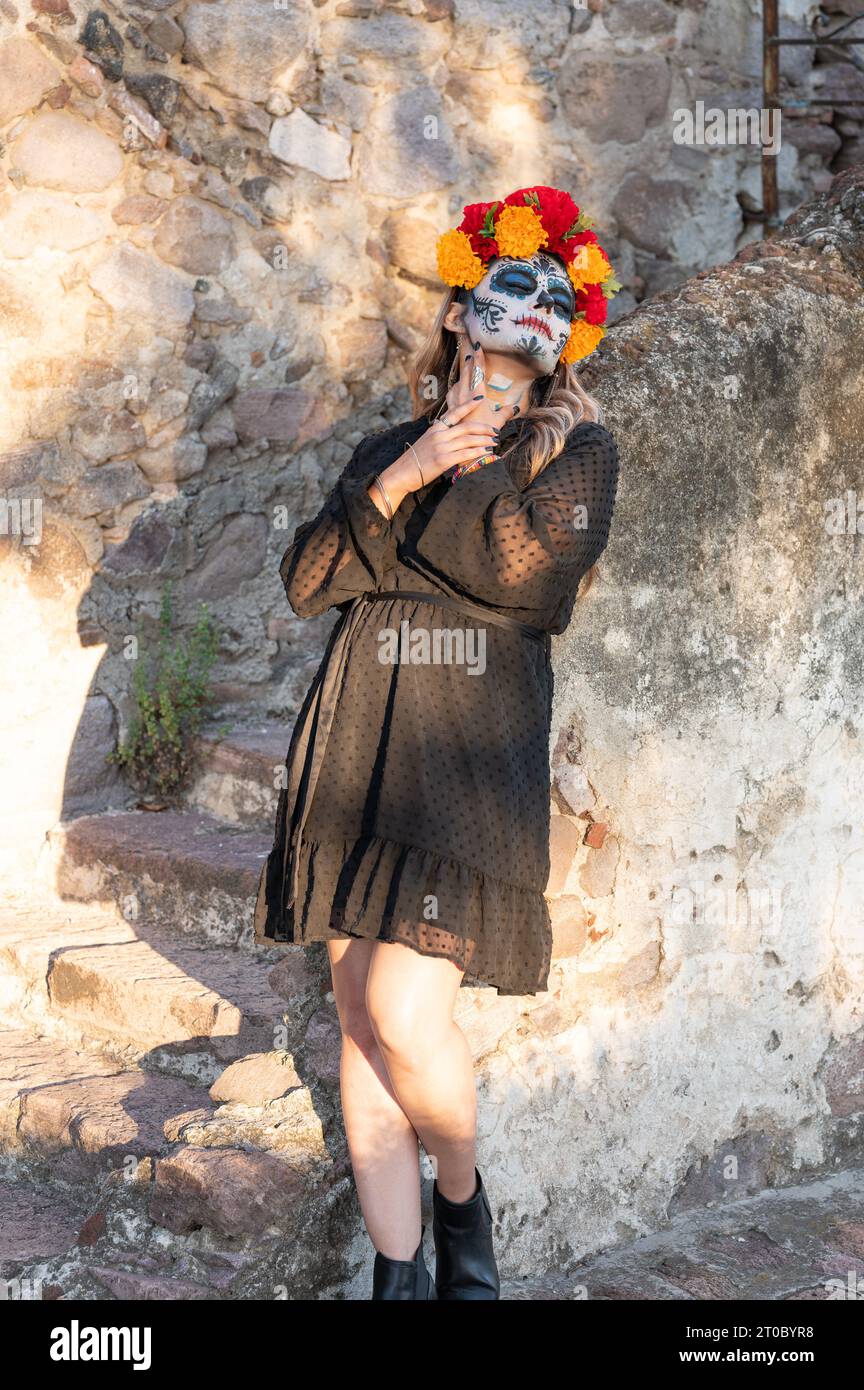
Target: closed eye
x=563, y=297
x=514, y=280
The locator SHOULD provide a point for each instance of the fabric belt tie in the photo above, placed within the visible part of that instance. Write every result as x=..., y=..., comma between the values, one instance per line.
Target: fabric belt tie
x=320, y=707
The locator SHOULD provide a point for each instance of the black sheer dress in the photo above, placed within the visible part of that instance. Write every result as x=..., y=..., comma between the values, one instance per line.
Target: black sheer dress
x=417, y=800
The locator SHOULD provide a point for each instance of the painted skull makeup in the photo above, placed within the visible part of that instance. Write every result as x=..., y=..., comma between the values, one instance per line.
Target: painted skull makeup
x=522, y=307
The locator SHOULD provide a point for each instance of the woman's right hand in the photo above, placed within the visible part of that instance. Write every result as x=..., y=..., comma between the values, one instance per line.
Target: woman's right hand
x=452, y=440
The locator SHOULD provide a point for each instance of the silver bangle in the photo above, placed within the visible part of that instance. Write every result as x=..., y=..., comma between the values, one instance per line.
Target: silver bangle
x=381, y=489
x=417, y=461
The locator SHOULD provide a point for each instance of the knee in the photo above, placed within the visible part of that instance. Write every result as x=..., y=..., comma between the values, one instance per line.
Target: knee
x=356, y=1026
x=399, y=1033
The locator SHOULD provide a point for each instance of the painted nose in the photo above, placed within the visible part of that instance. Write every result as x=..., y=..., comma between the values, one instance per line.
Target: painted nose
x=545, y=301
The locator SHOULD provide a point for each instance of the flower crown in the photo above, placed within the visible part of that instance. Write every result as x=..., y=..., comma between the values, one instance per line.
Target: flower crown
x=526, y=221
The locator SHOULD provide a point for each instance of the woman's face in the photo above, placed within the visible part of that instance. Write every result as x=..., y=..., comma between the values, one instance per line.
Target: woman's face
x=522, y=308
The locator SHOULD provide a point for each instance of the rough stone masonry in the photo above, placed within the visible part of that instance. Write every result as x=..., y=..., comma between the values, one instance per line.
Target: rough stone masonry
x=217, y=226
x=705, y=1038
x=188, y=193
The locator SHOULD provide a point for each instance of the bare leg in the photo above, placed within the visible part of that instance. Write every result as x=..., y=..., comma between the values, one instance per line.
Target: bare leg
x=409, y=1002
x=382, y=1141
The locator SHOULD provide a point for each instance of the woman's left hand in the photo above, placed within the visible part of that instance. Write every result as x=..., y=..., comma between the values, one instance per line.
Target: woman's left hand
x=472, y=366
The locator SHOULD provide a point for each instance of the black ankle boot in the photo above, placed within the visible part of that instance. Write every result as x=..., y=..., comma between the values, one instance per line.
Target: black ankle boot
x=402, y=1279
x=464, y=1259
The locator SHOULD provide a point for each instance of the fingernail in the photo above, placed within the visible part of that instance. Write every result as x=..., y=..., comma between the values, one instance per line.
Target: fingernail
x=477, y=398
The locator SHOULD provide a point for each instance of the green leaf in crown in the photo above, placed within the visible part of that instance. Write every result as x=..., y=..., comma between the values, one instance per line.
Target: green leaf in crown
x=582, y=223
x=488, y=228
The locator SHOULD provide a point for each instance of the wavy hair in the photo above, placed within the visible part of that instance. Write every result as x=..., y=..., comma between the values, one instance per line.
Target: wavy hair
x=558, y=403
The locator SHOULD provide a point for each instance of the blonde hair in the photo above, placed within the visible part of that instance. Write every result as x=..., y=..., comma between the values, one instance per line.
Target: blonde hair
x=551, y=415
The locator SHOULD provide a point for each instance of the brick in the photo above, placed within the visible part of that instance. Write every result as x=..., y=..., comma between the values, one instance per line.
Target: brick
x=596, y=834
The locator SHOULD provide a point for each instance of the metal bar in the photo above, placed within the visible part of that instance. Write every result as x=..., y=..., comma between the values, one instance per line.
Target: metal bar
x=815, y=43
x=823, y=19
x=770, y=101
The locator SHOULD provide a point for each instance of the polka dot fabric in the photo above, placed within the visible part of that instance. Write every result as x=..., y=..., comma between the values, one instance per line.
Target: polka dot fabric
x=429, y=820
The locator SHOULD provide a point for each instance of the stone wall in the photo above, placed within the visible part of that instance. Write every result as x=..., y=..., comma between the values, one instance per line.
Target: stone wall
x=217, y=224
x=705, y=1036
x=199, y=326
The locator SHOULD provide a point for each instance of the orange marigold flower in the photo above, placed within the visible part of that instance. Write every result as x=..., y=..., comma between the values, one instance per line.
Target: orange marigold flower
x=590, y=266
x=519, y=231
x=457, y=263
x=583, y=339
x=557, y=211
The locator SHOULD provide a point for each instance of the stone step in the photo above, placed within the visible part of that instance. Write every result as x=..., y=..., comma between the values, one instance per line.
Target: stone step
x=181, y=871
x=205, y=1224
x=162, y=1193
x=93, y=981
x=82, y=1115
x=238, y=775
x=784, y=1244
x=101, y=1196
x=39, y=1222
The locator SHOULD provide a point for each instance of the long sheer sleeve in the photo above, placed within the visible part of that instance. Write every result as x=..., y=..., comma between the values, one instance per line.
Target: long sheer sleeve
x=344, y=549
x=513, y=547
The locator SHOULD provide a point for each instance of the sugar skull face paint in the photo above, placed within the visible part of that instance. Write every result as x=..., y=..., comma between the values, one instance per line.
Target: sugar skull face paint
x=522, y=308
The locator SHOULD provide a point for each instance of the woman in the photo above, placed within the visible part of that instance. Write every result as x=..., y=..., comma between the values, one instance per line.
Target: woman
x=413, y=833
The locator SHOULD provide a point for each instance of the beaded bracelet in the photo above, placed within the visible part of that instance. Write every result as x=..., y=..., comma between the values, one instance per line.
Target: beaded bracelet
x=463, y=469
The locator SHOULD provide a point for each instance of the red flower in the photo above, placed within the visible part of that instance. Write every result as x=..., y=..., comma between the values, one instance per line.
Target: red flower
x=558, y=212
x=474, y=217
x=593, y=301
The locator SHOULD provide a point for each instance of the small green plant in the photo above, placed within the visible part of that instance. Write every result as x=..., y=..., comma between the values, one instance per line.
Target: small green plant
x=172, y=692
